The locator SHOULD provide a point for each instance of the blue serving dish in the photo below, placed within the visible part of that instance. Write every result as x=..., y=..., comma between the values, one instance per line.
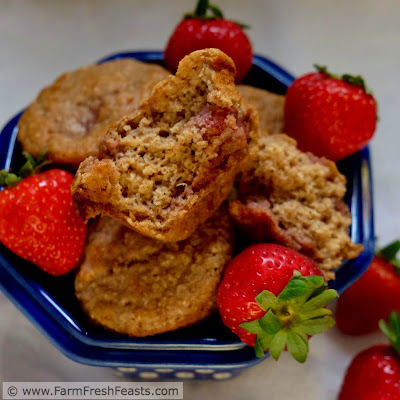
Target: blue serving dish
x=207, y=350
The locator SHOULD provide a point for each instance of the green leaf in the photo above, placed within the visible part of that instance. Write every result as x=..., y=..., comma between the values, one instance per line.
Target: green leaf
x=42, y=157
x=356, y=80
x=317, y=325
x=317, y=291
x=258, y=348
x=278, y=344
x=319, y=312
x=394, y=322
x=266, y=300
x=385, y=328
x=242, y=25
x=297, y=347
x=252, y=326
x=296, y=274
x=26, y=169
x=324, y=70
x=315, y=280
x=392, y=330
x=28, y=157
x=265, y=340
x=396, y=264
x=303, y=336
x=216, y=11
x=301, y=288
x=294, y=289
x=320, y=301
x=8, y=178
x=12, y=180
x=390, y=251
x=3, y=175
x=270, y=323
x=316, y=285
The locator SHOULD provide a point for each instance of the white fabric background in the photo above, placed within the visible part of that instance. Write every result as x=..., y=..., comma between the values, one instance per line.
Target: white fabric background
x=41, y=39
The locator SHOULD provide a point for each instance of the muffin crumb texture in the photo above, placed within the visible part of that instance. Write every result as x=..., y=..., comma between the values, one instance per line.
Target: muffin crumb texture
x=167, y=167
x=296, y=199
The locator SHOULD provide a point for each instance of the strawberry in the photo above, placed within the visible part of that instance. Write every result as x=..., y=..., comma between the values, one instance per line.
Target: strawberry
x=199, y=31
x=373, y=296
x=374, y=374
x=329, y=115
x=37, y=219
x=273, y=297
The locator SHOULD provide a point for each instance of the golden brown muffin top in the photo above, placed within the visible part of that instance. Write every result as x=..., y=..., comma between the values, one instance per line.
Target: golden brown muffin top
x=140, y=286
x=71, y=115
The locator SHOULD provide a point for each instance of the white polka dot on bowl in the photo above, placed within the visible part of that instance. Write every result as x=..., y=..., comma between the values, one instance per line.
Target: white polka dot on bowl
x=184, y=375
x=164, y=370
x=148, y=375
x=204, y=371
x=127, y=369
x=222, y=375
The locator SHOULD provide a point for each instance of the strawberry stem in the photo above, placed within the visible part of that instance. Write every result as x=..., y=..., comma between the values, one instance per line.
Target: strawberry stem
x=216, y=11
x=356, y=80
x=206, y=11
x=296, y=313
x=391, y=330
x=30, y=167
x=201, y=8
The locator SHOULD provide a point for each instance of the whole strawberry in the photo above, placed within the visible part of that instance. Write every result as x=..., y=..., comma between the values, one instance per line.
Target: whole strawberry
x=38, y=221
x=374, y=374
x=373, y=296
x=273, y=298
x=329, y=115
x=199, y=31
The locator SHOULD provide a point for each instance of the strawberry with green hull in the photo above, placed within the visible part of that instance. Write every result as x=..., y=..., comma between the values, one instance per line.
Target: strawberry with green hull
x=374, y=374
x=37, y=219
x=274, y=298
x=205, y=28
x=373, y=296
x=329, y=115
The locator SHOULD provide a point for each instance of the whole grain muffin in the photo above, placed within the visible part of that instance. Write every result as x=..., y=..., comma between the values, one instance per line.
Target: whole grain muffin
x=270, y=107
x=71, y=116
x=296, y=199
x=167, y=167
x=140, y=286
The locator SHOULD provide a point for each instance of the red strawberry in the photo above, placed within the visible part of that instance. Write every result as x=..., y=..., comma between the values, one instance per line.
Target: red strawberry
x=373, y=296
x=328, y=115
x=199, y=31
x=38, y=221
x=273, y=297
x=374, y=374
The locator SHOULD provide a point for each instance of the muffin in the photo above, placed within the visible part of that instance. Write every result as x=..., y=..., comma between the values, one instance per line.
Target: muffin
x=270, y=107
x=140, y=286
x=71, y=116
x=295, y=199
x=168, y=166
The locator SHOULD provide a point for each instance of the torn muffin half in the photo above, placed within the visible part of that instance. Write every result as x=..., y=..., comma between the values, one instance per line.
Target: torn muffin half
x=296, y=199
x=167, y=167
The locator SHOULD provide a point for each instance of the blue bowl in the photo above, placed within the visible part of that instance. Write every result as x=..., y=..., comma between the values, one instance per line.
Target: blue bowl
x=207, y=350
